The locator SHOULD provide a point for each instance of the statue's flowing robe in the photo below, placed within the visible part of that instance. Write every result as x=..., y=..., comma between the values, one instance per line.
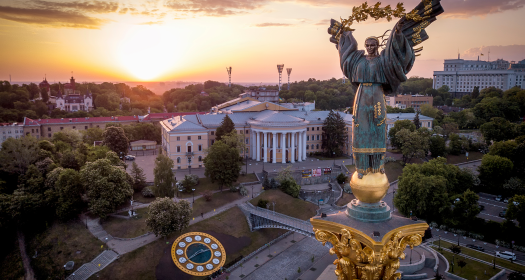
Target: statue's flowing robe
x=373, y=78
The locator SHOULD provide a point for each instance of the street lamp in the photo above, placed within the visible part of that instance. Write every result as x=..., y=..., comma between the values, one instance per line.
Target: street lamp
x=252, y=191
x=411, y=255
x=440, y=242
x=334, y=158
x=193, y=190
x=189, y=163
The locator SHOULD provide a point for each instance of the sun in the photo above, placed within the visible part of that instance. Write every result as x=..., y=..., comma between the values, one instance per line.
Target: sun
x=148, y=51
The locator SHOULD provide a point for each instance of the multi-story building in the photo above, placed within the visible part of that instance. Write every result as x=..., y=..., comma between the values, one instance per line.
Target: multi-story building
x=47, y=127
x=10, y=130
x=409, y=101
x=271, y=133
x=423, y=120
x=73, y=101
x=461, y=76
x=262, y=94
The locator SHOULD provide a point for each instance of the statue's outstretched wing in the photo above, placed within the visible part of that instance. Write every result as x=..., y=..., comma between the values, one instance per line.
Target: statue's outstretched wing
x=415, y=22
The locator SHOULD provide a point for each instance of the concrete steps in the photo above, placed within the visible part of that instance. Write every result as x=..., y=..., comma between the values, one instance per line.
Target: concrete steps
x=96, y=265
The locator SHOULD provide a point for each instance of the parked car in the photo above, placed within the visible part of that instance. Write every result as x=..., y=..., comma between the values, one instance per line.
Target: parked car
x=506, y=200
x=476, y=247
x=502, y=213
x=481, y=207
x=498, y=198
x=129, y=157
x=506, y=255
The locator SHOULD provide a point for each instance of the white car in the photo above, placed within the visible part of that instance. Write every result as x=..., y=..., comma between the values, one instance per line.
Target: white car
x=506, y=255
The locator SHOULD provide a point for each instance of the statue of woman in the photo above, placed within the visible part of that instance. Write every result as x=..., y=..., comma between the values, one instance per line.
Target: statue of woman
x=376, y=74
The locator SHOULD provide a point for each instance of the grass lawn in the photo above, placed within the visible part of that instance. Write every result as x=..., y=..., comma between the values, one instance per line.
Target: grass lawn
x=125, y=228
x=218, y=199
x=287, y=205
x=11, y=266
x=485, y=257
x=139, y=198
x=392, y=169
x=473, y=269
x=205, y=184
x=141, y=263
x=345, y=199
x=462, y=158
x=60, y=243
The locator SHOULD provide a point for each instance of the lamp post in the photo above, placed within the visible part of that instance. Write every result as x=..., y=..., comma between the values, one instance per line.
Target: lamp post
x=252, y=191
x=494, y=263
x=193, y=190
x=440, y=242
x=411, y=255
x=458, y=239
x=393, y=196
x=334, y=157
x=189, y=163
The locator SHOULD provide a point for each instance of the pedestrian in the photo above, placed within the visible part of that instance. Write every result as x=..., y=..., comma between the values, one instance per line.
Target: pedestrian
x=202, y=215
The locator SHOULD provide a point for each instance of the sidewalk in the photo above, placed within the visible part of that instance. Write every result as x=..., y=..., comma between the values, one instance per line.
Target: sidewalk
x=127, y=245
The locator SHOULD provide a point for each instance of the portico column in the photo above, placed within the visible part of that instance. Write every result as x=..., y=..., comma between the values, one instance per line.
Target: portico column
x=274, y=150
x=293, y=147
x=265, y=150
x=283, y=148
x=304, y=142
x=299, y=147
x=258, y=146
x=252, y=140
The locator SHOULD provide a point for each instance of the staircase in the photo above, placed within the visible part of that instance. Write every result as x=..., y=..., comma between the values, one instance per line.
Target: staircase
x=96, y=265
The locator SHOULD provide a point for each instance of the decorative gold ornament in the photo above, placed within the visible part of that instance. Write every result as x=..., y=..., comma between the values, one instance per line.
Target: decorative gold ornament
x=359, y=256
x=371, y=188
x=198, y=253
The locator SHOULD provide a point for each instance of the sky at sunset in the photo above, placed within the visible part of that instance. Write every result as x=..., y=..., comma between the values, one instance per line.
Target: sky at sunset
x=194, y=40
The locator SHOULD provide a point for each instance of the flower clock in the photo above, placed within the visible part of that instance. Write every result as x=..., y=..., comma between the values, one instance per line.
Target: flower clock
x=198, y=253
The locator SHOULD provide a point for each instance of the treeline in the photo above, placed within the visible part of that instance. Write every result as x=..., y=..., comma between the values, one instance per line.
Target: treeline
x=17, y=102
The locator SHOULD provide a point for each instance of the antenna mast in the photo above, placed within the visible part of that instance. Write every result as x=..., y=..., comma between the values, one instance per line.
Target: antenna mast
x=229, y=70
x=280, y=68
x=289, y=70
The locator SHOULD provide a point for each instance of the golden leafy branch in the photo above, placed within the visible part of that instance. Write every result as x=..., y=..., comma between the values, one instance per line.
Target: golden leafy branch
x=362, y=12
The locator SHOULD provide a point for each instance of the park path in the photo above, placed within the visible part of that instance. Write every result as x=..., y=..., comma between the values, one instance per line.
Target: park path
x=29, y=274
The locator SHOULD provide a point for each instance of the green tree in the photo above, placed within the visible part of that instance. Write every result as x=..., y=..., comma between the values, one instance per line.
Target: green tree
x=289, y=186
x=107, y=186
x=116, y=140
x=164, y=176
x=167, y=216
x=504, y=149
x=222, y=164
x=139, y=179
x=71, y=137
x=398, y=125
x=334, y=134
x=455, y=144
x=97, y=152
x=226, y=127
x=69, y=191
x=416, y=121
x=475, y=93
x=17, y=154
x=516, y=209
x=467, y=207
x=493, y=172
x=92, y=134
x=498, y=129
x=413, y=144
x=437, y=146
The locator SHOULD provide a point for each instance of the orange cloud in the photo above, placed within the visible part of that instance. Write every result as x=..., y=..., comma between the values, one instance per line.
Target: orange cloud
x=50, y=17
x=272, y=24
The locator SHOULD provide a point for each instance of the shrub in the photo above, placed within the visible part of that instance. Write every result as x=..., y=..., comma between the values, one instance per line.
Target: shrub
x=190, y=181
x=147, y=192
x=289, y=186
x=233, y=189
x=274, y=184
x=243, y=191
x=347, y=189
x=341, y=178
x=207, y=195
x=262, y=203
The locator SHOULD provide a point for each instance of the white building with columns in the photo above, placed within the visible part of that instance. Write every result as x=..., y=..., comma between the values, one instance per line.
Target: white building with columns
x=272, y=133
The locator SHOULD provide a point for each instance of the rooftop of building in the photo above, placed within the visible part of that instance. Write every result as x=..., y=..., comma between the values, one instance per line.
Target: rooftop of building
x=31, y=122
x=407, y=116
x=10, y=124
x=163, y=116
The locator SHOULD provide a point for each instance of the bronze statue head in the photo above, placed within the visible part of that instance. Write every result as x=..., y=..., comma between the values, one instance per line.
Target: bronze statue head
x=372, y=46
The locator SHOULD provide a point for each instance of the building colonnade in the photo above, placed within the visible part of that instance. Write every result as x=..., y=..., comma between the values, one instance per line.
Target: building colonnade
x=278, y=146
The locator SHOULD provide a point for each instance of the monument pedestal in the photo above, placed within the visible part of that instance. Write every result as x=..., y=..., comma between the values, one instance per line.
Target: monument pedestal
x=368, y=212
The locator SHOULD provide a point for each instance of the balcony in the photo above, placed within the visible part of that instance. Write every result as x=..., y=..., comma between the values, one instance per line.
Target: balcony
x=188, y=154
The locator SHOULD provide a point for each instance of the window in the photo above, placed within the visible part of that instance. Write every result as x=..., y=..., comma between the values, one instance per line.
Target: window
x=32, y=130
x=317, y=146
x=178, y=138
x=199, y=137
x=307, y=129
x=241, y=131
x=61, y=128
x=178, y=160
x=200, y=158
x=312, y=146
x=97, y=126
x=49, y=135
x=247, y=142
x=37, y=131
x=212, y=133
x=307, y=138
x=246, y=131
x=85, y=127
x=307, y=146
x=189, y=137
x=212, y=141
x=189, y=149
x=317, y=130
x=178, y=149
x=200, y=148
x=317, y=138
x=49, y=129
x=74, y=127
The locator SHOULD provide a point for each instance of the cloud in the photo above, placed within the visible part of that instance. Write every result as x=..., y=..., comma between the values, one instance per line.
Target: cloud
x=52, y=17
x=215, y=7
x=151, y=22
x=323, y=22
x=509, y=53
x=97, y=7
x=272, y=24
